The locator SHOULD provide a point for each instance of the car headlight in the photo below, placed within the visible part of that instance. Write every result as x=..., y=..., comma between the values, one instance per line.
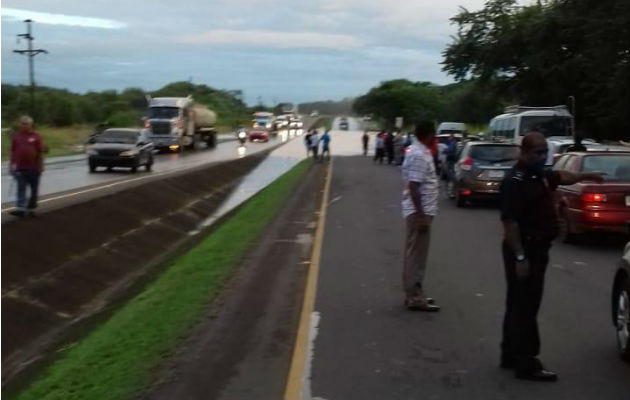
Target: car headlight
x=128, y=153
x=242, y=135
x=91, y=152
x=268, y=125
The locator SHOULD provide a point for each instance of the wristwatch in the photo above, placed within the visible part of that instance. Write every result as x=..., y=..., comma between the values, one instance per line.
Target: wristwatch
x=520, y=257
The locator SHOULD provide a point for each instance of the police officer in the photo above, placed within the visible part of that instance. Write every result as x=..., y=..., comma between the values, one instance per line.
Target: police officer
x=530, y=224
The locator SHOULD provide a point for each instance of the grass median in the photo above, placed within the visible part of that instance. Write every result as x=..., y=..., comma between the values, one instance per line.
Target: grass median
x=119, y=358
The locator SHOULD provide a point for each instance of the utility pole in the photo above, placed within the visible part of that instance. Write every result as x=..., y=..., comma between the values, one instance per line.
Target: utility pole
x=30, y=53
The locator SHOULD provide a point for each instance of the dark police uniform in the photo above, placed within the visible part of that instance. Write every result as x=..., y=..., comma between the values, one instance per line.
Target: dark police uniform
x=527, y=199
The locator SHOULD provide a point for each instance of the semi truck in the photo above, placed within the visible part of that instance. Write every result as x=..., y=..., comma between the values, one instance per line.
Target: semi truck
x=262, y=119
x=178, y=123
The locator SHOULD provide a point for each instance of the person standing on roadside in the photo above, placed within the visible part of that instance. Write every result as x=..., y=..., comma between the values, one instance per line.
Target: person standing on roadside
x=419, y=207
x=315, y=144
x=325, y=139
x=379, y=148
x=307, y=142
x=389, y=147
x=530, y=224
x=451, y=157
x=366, y=141
x=26, y=165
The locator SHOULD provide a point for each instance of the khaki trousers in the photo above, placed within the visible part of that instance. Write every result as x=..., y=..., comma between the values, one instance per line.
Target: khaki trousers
x=417, y=239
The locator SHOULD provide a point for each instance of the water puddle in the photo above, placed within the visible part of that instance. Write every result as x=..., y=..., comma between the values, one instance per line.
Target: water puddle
x=271, y=168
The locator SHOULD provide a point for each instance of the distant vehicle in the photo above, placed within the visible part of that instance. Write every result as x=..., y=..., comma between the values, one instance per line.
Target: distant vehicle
x=367, y=118
x=343, y=125
x=117, y=147
x=258, y=135
x=263, y=119
x=241, y=135
x=511, y=126
x=588, y=207
x=621, y=303
x=175, y=123
x=315, y=113
x=295, y=123
x=282, y=121
x=446, y=128
x=559, y=145
x=480, y=169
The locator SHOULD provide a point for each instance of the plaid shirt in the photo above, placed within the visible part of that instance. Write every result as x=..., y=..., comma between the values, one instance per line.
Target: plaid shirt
x=419, y=167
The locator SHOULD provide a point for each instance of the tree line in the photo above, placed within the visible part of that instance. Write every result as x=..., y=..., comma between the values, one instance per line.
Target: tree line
x=536, y=55
x=60, y=107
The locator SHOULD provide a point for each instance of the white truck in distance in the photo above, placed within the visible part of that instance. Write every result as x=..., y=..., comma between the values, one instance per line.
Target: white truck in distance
x=175, y=123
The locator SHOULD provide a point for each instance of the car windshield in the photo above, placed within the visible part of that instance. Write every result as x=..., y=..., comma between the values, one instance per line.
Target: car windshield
x=163, y=112
x=444, y=131
x=494, y=153
x=547, y=125
x=117, y=137
x=616, y=167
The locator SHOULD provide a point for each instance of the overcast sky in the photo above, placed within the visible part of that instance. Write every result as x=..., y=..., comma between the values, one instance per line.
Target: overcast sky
x=279, y=50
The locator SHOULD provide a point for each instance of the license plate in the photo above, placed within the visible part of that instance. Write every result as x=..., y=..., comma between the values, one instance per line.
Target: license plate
x=496, y=174
x=628, y=200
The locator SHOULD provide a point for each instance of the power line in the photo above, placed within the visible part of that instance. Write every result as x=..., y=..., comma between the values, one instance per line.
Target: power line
x=30, y=53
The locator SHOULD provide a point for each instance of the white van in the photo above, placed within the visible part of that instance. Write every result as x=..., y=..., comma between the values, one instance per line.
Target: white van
x=511, y=126
x=451, y=127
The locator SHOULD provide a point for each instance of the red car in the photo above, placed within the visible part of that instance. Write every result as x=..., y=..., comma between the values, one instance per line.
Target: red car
x=591, y=207
x=258, y=135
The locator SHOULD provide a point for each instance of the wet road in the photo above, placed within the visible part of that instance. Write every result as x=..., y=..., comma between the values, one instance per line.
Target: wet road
x=72, y=178
x=360, y=330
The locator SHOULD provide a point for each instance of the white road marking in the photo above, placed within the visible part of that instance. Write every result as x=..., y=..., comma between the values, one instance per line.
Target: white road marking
x=93, y=189
x=312, y=335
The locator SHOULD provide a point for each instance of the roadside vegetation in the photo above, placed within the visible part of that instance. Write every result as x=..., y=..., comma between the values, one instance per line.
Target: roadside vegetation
x=65, y=119
x=323, y=123
x=119, y=358
x=536, y=55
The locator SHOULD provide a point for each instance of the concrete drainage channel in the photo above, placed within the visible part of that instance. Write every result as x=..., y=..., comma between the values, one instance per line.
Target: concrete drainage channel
x=66, y=268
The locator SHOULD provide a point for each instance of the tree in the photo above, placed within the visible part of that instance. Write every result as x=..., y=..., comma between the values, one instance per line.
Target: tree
x=540, y=54
x=414, y=101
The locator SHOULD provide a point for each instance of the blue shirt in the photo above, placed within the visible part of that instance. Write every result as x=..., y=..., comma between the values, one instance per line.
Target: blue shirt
x=325, y=139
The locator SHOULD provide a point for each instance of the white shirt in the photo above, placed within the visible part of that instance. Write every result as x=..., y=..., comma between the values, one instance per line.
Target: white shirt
x=419, y=167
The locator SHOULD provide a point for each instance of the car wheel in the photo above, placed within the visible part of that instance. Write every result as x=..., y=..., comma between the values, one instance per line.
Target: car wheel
x=109, y=169
x=134, y=168
x=149, y=163
x=92, y=168
x=622, y=319
x=565, y=232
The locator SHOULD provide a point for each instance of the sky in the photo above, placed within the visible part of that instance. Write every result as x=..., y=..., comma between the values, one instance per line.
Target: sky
x=275, y=50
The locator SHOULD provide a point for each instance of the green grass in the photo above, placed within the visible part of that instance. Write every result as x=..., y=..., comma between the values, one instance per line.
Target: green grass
x=323, y=122
x=120, y=357
x=60, y=141
x=473, y=129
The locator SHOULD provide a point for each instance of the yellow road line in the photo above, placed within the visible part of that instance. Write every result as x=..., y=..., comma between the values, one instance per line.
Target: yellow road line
x=293, y=389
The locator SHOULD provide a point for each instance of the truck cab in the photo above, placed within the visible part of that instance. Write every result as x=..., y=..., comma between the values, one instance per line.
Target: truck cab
x=175, y=123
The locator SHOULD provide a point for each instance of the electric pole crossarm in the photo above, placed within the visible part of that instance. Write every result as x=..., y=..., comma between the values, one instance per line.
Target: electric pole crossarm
x=31, y=53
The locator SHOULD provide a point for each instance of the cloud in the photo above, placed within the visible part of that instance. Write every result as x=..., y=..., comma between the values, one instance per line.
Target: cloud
x=276, y=39
x=14, y=14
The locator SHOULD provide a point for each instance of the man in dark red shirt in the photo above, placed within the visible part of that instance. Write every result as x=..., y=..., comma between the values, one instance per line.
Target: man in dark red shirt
x=26, y=165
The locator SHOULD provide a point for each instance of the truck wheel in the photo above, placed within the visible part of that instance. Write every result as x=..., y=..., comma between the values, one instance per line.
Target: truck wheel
x=212, y=141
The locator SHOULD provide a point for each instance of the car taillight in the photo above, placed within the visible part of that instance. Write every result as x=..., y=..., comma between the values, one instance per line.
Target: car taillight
x=594, y=197
x=147, y=124
x=180, y=123
x=466, y=164
x=407, y=150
